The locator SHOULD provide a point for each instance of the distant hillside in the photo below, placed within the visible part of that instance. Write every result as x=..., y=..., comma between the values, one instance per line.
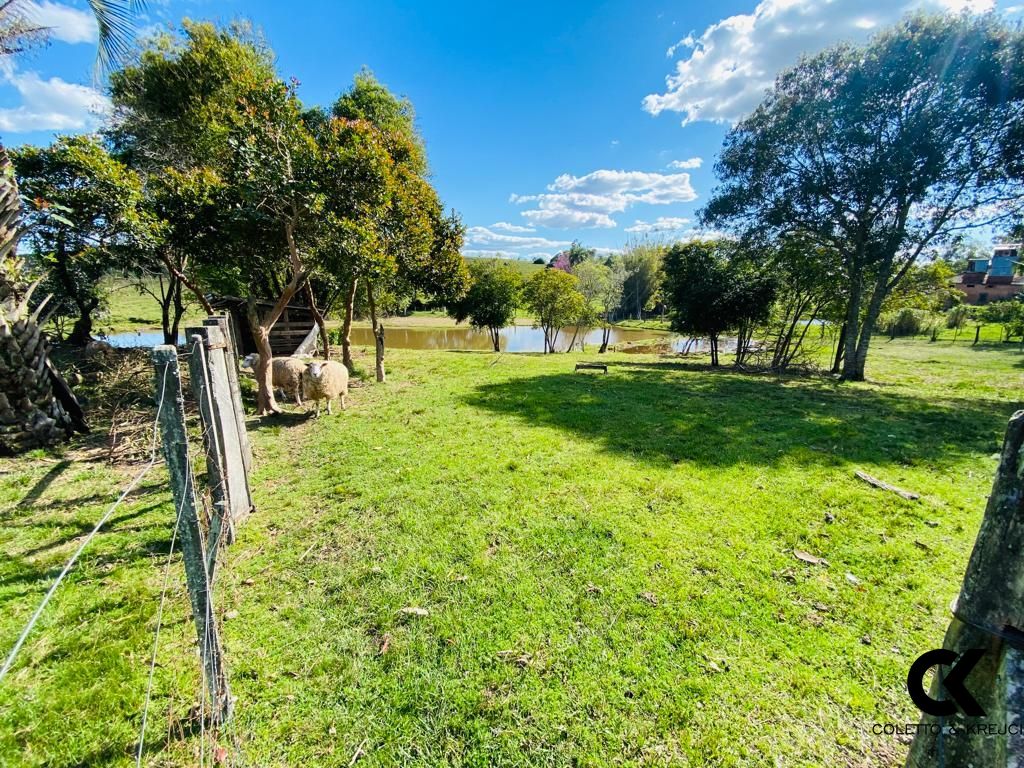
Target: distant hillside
x=525, y=268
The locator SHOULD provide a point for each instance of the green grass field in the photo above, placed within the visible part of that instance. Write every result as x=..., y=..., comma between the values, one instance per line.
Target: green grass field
x=606, y=562
x=523, y=267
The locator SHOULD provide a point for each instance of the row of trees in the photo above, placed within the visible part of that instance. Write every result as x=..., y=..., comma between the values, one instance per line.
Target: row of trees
x=214, y=177
x=873, y=157
x=583, y=292
x=841, y=190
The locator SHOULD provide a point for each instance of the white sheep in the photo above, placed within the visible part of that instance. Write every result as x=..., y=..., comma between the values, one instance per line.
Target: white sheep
x=325, y=380
x=286, y=373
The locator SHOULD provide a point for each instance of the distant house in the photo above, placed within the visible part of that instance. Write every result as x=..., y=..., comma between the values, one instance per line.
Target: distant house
x=992, y=279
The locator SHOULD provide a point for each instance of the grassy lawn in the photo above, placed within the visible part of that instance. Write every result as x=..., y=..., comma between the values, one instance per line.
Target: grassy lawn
x=524, y=267
x=606, y=562
x=130, y=309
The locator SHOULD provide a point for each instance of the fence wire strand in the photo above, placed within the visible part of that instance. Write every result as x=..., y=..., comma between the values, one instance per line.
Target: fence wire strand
x=9, y=663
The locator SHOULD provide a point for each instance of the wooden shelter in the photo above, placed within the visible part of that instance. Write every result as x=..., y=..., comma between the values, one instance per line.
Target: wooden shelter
x=294, y=325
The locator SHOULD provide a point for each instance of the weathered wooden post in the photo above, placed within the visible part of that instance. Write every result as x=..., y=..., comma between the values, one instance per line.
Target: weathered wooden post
x=199, y=375
x=988, y=616
x=231, y=361
x=175, y=445
x=236, y=480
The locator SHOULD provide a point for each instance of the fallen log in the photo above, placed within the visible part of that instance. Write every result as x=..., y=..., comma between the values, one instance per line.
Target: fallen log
x=909, y=495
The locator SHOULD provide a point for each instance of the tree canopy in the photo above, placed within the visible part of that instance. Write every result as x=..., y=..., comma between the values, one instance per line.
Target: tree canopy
x=492, y=298
x=85, y=219
x=879, y=152
x=712, y=290
x=553, y=296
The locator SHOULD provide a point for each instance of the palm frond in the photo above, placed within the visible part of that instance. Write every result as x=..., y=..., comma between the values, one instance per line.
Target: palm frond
x=18, y=32
x=115, y=19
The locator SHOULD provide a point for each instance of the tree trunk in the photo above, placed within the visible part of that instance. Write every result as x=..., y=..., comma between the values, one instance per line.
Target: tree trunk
x=81, y=334
x=378, y=337
x=165, y=311
x=180, y=275
x=988, y=618
x=840, y=349
x=495, y=337
x=179, y=312
x=850, y=328
x=606, y=332
x=261, y=327
x=713, y=343
x=263, y=370
x=853, y=369
x=346, y=328
x=318, y=318
x=572, y=342
x=378, y=334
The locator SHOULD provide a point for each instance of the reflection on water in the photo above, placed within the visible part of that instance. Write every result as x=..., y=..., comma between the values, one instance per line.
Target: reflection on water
x=519, y=338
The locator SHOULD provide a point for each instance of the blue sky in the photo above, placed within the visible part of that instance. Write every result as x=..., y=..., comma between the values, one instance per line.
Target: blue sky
x=544, y=121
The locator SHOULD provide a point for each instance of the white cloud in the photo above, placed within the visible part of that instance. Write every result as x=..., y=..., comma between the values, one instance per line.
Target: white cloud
x=587, y=201
x=693, y=162
x=483, y=238
x=505, y=226
x=67, y=24
x=51, y=105
x=661, y=224
x=554, y=216
x=732, y=63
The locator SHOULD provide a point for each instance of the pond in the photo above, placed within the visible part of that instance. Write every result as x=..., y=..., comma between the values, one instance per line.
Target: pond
x=518, y=338
x=138, y=339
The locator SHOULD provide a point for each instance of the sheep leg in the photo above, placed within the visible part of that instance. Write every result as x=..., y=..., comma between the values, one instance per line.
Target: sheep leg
x=329, y=401
x=343, y=406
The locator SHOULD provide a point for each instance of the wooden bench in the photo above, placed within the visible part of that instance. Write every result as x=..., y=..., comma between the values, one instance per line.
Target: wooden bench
x=592, y=367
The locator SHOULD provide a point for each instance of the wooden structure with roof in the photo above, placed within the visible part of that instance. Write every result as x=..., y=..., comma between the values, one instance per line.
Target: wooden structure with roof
x=295, y=325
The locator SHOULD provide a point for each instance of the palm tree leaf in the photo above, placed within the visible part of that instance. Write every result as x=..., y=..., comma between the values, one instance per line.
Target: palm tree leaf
x=115, y=19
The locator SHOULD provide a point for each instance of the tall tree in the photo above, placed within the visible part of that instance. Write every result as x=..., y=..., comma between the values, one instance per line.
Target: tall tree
x=711, y=290
x=641, y=261
x=178, y=106
x=877, y=153
x=492, y=298
x=595, y=285
x=29, y=382
x=85, y=220
x=417, y=245
x=552, y=296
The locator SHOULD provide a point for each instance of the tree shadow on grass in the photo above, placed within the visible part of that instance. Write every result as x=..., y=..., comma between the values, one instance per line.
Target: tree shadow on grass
x=666, y=413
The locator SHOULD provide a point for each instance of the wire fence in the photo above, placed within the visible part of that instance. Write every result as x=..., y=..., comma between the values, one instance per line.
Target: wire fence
x=221, y=420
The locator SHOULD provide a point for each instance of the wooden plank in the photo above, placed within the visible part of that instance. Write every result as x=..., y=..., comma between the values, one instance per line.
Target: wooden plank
x=171, y=417
x=236, y=480
x=199, y=376
x=231, y=360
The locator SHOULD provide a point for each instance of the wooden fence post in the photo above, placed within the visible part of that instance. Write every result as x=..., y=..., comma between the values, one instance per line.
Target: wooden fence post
x=175, y=445
x=199, y=375
x=236, y=480
x=231, y=361
x=989, y=616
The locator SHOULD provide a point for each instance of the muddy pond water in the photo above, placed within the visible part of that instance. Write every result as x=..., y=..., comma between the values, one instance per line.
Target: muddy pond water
x=518, y=338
